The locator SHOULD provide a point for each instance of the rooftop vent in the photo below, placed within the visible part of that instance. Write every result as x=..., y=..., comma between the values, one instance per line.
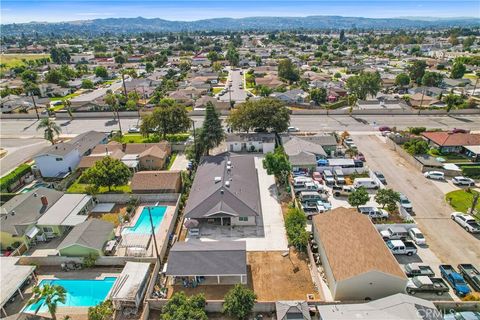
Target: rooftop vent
x=221, y=191
x=229, y=163
x=229, y=168
x=217, y=179
x=227, y=183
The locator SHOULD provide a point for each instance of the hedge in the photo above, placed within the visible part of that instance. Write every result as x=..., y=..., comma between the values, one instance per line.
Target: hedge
x=14, y=176
x=471, y=171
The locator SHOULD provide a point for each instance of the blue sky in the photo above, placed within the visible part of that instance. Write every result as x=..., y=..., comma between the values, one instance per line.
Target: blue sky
x=55, y=10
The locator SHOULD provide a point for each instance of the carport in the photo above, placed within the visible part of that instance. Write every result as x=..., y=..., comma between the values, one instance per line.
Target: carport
x=12, y=278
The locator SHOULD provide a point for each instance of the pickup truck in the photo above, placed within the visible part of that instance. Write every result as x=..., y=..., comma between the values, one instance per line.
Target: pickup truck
x=402, y=247
x=372, y=212
x=426, y=284
x=471, y=275
x=466, y=221
x=414, y=270
x=455, y=280
x=338, y=191
x=394, y=233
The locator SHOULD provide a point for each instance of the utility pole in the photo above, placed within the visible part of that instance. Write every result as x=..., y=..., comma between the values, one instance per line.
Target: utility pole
x=124, y=86
x=421, y=101
x=194, y=140
x=153, y=236
x=35, y=106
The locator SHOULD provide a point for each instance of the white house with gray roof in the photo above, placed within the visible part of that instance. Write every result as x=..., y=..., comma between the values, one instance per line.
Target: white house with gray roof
x=225, y=191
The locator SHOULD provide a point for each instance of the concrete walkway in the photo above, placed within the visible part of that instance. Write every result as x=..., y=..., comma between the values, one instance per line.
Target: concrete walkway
x=180, y=162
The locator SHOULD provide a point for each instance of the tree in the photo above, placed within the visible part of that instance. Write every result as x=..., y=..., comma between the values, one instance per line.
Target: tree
x=432, y=79
x=67, y=104
x=87, y=84
x=288, y=71
x=239, y=302
x=60, y=55
x=358, y=197
x=318, y=95
x=50, y=129
x=212, y=133
x=263, y=90
x=102, y=311
x=29, y=76
x=402, y=80
x=213, y=56
x=277, y=164
x=387, y=198
x=54, y=76
x=232, y=56
x=267, y=114
x=417, y=70
x=108, y=172
x=182, y=307
x=295, y=223
x=101, y=72
x=416, y=146
x=111, y=100
x=169, y=118
x=149, y=67
x=364, y=84
x=458, y=70
x=49, y=295
x=452, y=100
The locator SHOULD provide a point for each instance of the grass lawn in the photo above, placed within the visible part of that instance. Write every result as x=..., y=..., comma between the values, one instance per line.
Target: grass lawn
x=452, y=157
x=13, y=60
x=217, y=90
x=138, y=138
x=81, y=188
x=68, y=96
x=57, y=107
x=461, y=200
x=172, y=160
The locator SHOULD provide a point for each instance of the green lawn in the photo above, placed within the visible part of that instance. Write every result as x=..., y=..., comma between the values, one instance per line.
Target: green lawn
x=13, y=60
x=68, y=96
x=172, y=160
x=461, y=200
x=217, y=90
x=81, y=188
x=452, y=157
x=138, y=138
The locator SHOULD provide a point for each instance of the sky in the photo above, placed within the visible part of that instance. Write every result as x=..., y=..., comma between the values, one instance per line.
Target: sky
x=18, y=11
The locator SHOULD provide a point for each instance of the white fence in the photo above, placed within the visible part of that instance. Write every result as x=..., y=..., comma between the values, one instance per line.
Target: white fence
x=125, y=197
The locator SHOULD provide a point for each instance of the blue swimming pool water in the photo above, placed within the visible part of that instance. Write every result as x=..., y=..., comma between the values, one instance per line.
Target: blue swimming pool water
x=80, y=293
x=143, y=222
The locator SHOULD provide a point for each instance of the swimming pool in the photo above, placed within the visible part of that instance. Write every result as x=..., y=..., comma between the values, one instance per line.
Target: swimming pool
x=35, y=186
x=80, y=293
x=143, y=222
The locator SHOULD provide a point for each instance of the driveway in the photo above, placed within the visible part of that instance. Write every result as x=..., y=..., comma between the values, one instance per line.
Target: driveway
x=446, y=239
x=180, y=162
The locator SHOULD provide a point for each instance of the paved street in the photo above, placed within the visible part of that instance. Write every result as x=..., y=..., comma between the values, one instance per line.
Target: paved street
x=19, y=151
x=237, y=91
x=445, y=238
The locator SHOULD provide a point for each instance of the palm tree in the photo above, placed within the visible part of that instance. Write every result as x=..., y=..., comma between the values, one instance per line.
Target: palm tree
x=112, y=101
x=50, y=129
x=68, y=106
x=49, y=295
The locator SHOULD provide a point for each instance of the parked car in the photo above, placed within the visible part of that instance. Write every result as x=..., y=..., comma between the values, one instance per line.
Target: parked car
x=134, y=129
x=427, y=285
x=367, y=183
x=338, y=191
x=384, y=128
x=309, y=186
x=466, y=221
x=459, y=130
x=402, y=247
x=394, y=233
x=311, y=196
x=434, y=175
x=328, y=177
x=372, y=212
x=405, y=203
x=463, y=181
x=417, y=236
x=455, y=279
x=380, y=177
x=293, y=129
x=415, y=269
x=462, y=315
x=360, y=157
x=317, y=177
x=471, y=275
x=339, y=177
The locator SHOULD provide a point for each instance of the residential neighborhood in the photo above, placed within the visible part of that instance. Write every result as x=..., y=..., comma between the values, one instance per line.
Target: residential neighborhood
x=260, y=173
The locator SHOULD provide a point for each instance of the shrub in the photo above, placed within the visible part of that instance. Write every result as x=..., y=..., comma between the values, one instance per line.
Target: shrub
x=89, y=261
x=471, y=171
x=295, y=222
x=416, y=130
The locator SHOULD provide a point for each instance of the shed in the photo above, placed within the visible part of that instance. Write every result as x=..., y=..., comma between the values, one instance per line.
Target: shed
x=130, y=287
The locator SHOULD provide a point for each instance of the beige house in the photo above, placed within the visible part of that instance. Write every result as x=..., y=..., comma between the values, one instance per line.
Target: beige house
x=357, y=263
x=157, y=182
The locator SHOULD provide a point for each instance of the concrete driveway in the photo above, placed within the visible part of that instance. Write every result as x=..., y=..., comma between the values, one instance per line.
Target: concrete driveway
x=446, y=239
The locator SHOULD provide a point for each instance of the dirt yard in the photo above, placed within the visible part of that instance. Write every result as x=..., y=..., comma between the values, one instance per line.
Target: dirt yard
x=277, y=278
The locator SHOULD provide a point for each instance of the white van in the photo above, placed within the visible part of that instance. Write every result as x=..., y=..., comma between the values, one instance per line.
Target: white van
x=367, y=183
x=328, y=177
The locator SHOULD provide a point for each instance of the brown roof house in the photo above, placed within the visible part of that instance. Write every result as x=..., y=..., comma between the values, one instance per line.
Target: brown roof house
x=356, y=261
x=451, y=142
x=157, y=182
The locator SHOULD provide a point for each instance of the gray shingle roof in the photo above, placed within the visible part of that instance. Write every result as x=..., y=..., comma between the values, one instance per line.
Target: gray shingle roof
x=240, y=198
x=292, y=310
x=243, y=137
x=294, y=145
x=197, y=258
x=92, y=233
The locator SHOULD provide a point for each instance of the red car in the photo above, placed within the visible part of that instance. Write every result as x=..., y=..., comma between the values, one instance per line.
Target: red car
x=458, y=130
x=384, y=128
x=317, y=177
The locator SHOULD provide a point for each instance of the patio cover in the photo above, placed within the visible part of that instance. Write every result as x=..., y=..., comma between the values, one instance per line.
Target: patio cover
x=103, y=207
x=12, y=277
x=32, y=232
x=131, y=284
x=66, y=211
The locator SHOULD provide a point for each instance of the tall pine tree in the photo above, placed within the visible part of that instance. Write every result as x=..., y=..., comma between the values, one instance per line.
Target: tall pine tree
x=212, y=133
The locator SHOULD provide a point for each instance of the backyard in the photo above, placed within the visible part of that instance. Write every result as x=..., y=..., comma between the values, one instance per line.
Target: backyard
x=78, y=187
x=461, y=200
x=138, y=138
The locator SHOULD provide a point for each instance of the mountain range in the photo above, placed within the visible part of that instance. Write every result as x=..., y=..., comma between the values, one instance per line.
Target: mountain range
x=139, y=25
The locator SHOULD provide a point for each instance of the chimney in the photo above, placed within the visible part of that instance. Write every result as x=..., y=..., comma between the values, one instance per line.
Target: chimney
x=44, y=201
x=124, y=146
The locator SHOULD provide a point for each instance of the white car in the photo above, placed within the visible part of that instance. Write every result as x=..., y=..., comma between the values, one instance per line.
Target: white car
x=466, y=221
x=293, y=129
x=405, y=203
x=463, y=181
x=435, y=175
x=417, y=236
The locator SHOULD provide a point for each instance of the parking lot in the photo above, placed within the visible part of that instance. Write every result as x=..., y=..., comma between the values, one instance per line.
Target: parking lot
x=452, y=244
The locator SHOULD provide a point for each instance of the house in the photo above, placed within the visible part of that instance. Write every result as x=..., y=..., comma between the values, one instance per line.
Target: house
x=304, y=151
x=295, y=96
x=60, y=159
x=225, y=191
x=251, y=142
x=451, y=142
x=67, y=212
x=156, y=182
x=219, y=105
x=419, y=100
x=20, y=214
x=395, y=307
x=357, y=263
x=218, y=262
x=86, y=238
x=292, y=310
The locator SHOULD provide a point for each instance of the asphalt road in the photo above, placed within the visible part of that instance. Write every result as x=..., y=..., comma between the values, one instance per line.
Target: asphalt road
x=237, y=92
x=27, y=128
x=19, y=151
x=451, y=243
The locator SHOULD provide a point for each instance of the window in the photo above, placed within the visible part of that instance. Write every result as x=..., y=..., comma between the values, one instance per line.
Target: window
x=47, y=229
x=242, y=218
x=58, y=159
